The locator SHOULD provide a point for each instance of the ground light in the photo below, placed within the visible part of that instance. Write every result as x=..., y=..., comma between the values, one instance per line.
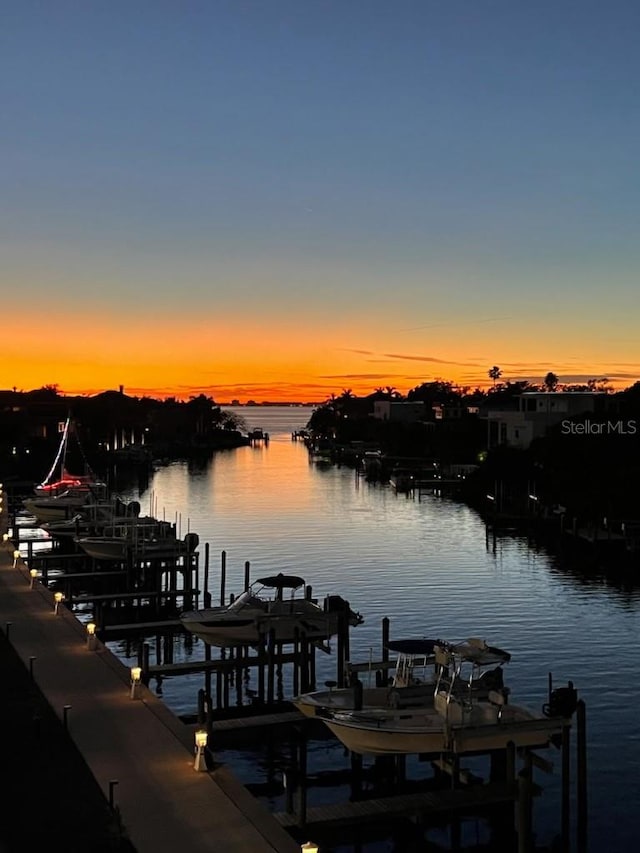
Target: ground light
x=201, y=738
x=136, y=674
x=91, y=636
x=58, y=598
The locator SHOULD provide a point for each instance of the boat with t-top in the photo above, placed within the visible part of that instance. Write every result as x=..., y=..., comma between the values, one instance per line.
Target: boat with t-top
x=457, y=719
x=270, y=606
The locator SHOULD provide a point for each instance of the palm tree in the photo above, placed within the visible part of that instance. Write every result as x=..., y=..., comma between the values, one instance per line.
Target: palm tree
x=495, y=373
x=550, y=381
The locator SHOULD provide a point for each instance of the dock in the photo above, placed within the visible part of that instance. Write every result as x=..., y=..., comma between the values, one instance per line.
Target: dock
x=137, y=750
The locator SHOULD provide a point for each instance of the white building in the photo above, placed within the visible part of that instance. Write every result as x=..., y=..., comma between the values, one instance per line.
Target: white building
x=538, y=411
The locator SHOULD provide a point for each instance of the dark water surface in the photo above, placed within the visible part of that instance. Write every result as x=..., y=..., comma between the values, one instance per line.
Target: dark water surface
x=425, y=565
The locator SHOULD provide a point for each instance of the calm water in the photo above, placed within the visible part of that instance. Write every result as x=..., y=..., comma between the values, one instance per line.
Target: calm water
x=425, y=565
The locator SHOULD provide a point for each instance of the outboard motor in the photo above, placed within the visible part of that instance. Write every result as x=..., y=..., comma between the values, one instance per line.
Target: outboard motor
x=191, y=540
x=563, y=702
x=337, y=604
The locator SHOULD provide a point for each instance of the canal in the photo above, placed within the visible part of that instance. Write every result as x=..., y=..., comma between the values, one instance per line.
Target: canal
x=426, y=566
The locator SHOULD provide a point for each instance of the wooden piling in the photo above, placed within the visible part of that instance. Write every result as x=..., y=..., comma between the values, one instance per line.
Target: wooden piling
x=206, y=595
x=261, y=655
x=356, y=775
x=271, y=645
x=525, y=808
x=566, y=786
x=247, y=575
x=223, y=577
x=581, y=804
x=386, y=623
x=301, y=810
x=297, y=664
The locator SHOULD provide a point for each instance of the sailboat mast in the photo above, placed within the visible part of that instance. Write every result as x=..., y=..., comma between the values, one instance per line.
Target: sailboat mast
x=62, y=453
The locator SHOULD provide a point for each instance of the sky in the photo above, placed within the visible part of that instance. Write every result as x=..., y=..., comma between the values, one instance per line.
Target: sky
x=284, y=199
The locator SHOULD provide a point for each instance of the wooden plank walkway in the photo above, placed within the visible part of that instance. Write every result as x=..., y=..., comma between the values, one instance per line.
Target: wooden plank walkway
x=259, y=721
x=164, y=803
x=383, y=808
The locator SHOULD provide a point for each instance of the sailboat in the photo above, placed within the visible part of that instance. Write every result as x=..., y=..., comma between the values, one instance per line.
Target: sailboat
x=59, y=479
x=62, y=493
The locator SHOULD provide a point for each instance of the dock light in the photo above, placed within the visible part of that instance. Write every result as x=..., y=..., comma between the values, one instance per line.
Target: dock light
x=201, y=737
x=16, y=557
x=309, y=847
x=5, y=537
x=58, y=598
x=136, y=675
x=533, y=497
x=91, y=636
x=33, y=574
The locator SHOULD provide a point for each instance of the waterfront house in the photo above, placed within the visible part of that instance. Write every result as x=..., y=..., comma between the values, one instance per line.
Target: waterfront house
x=532, y=413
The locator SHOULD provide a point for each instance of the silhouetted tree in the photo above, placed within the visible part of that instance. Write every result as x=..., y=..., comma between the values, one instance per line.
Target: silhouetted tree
x=495, y=373
x=551, y=381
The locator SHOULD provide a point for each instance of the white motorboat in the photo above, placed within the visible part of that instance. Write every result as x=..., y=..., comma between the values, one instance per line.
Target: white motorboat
x=458, y=719
x=264, y=608
x=412, y=683
x=62, y=506
x=92, y=519
x=140, y=542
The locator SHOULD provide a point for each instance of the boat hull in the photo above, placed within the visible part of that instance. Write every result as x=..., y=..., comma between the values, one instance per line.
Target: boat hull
x=344, y=699
x=380, y=737
x=53, y=509
x=225, y=630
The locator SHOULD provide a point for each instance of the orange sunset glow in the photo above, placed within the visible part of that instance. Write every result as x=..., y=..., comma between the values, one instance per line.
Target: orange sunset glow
x=235, y=359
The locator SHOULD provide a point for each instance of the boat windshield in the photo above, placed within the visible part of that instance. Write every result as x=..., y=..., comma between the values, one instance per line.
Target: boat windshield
x=247, y=599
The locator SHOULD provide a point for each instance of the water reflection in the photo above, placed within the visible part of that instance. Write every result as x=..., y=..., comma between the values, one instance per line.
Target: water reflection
x=428, y=567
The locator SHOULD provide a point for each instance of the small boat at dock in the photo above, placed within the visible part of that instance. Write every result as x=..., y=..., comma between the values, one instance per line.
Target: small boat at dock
x=412, y=683
x=153, y=541
x=264, y=608
x=456, y=718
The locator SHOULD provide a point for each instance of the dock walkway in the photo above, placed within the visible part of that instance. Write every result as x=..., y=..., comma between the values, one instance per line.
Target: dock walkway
x=136, y=749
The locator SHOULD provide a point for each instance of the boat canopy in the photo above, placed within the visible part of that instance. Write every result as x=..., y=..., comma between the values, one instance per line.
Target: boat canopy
x=420, y=646
x=281, y=581
x=478, y=652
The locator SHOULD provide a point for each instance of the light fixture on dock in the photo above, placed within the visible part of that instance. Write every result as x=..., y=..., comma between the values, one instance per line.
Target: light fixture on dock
x=33, y=574
x=16, y=557
x=309, y=847
x=91, y=636
x=136, y=675
x=201, y=738
x=58, y=598
x=5, y=537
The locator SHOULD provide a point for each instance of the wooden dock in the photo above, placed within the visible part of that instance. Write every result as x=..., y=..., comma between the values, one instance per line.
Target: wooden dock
x=139, y=745
x=428, y=803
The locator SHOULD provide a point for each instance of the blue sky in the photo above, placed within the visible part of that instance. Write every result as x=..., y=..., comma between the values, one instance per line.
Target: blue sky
x=410, y=180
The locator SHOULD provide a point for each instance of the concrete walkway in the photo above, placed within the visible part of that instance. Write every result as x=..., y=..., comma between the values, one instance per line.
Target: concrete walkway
x=165, y=805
